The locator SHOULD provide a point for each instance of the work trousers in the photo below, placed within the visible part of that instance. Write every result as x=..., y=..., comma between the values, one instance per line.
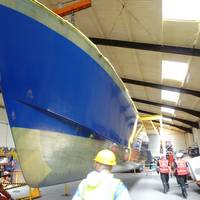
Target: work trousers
x=165, y=181
x=181, y=180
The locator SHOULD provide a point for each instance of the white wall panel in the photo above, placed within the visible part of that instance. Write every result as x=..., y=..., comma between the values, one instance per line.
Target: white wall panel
x=196, y=135
x=190, y=140
x=154, y=144
x=6, y=138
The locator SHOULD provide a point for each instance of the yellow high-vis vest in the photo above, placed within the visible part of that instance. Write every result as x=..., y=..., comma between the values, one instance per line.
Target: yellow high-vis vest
x=104, y=191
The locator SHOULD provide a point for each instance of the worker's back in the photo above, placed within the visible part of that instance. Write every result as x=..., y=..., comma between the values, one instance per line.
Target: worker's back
x=99, y=185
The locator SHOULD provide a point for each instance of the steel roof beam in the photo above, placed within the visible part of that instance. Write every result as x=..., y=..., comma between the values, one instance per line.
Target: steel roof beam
x=186, y=110
x=162, y=87
x=187, y=122
x=147, y=46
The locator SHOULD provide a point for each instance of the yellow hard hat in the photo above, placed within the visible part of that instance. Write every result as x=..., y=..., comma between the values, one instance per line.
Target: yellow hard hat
x=106, y=157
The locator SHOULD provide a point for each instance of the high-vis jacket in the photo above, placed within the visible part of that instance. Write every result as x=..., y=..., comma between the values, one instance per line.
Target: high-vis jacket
x=101, y=186
x=163, y=166
x=181, y=167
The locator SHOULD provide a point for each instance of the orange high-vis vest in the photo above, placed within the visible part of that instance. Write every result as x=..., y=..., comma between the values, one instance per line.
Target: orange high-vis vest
x=163, y=168
x=181, y=167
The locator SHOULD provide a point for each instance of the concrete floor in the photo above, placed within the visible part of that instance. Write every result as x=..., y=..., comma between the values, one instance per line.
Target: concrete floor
x=141, y=186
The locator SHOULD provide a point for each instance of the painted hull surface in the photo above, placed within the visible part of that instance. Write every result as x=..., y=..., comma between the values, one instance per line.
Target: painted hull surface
x=63, y=98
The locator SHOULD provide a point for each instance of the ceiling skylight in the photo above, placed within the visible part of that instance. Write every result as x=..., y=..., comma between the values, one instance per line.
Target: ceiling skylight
x=174, y=70
x=167, y=110
x=170, y=96
x=181, y=9
x=167, y=119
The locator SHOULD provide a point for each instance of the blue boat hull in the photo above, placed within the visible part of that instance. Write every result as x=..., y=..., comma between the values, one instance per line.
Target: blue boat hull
x=53, y=88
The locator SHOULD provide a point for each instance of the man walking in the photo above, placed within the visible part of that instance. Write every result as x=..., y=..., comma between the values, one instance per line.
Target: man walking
x=181, y=171
x=164, y=170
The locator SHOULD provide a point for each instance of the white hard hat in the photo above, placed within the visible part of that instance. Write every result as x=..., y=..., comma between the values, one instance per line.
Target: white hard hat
x=6, y=173
x=179, y=155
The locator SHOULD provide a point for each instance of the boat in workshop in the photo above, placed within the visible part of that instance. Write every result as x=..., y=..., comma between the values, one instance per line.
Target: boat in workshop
x=63, y=98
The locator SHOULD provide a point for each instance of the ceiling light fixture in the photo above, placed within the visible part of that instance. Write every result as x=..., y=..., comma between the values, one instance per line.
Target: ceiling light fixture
x=174, y=70
x=167, y=119
x=181, y=9
x=170, y=96
x=167, y=110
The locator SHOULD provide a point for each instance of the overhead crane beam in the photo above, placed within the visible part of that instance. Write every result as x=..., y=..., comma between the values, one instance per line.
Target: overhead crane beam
x=188, y=130
x=74, y=7
x=150, y=118
x=186, y=110
x=187, y=122
x=147, y=46
x=155, y=118
x=162, y=87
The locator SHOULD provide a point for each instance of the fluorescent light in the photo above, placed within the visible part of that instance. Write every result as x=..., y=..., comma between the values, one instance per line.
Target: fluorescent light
x=181, y=9
x=170, y=96
x=174, y=70
x=167, y=110
x=167, y=119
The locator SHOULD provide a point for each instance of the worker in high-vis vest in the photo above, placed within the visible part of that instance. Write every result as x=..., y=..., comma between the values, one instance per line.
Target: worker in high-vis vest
x=164, y=170
x=181, y=171
x=100, y=184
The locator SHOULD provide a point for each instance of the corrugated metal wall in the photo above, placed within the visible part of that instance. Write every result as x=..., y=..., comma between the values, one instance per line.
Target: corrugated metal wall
x=154, y=144
x=179, y=141
x=196, y=135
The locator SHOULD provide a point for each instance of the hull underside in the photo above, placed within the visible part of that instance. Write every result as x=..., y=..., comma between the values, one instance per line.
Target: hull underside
x=54, y=157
